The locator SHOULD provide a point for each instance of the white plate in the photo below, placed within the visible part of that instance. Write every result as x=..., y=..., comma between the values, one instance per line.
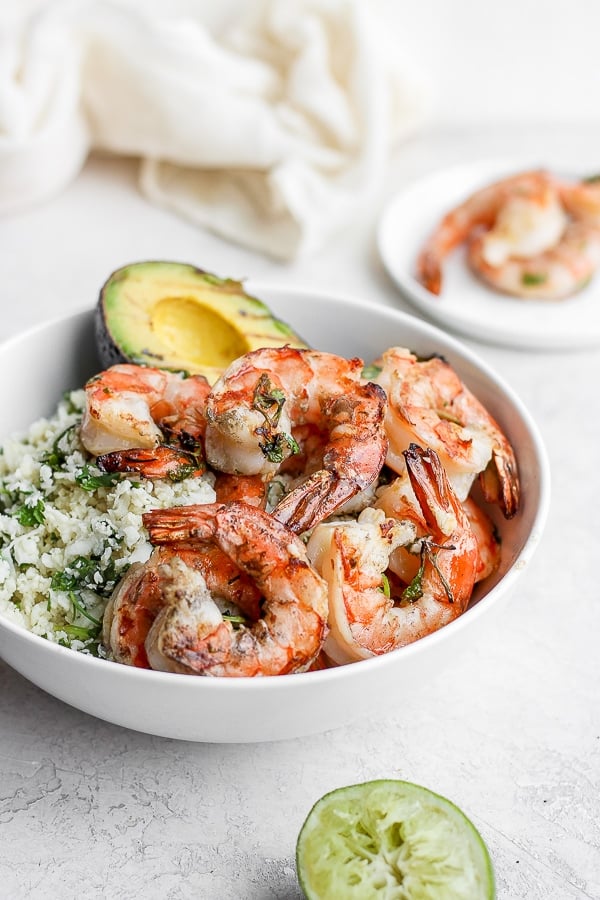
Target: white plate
x=61, y=355
x=466, y=305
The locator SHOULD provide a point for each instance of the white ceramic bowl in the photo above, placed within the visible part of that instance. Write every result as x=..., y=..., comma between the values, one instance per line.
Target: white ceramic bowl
x=61, y=355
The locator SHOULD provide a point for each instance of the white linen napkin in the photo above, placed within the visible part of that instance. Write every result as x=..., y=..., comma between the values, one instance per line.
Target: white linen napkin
x=272, y=130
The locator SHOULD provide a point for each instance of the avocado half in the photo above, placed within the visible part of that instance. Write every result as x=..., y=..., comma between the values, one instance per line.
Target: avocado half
x=175, y=316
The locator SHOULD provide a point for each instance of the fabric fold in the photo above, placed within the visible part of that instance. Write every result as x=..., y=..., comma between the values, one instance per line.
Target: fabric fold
x=272, y=131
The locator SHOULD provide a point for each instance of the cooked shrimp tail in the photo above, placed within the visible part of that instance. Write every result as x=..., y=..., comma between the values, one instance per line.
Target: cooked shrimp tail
x=370, y=613
x=160, y=462
x=355, y=452
x=500, y=482
x=450, y=573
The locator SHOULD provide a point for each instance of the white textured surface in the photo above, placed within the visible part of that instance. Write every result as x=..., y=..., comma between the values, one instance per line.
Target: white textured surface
x=511, y=732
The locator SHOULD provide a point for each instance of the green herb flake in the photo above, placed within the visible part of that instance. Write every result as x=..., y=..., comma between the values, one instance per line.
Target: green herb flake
x=531, y=279
x=71, y=407
x=414, y=591
x=275, y=446
x=30, y=516
x=268, y=400
x=77, y=633
x=80, y=571
x=77, y=606
x=370, y=372
x=89, y=481
x=56, y=457
x=385, y=586
x=235, y=620
x=183, y=471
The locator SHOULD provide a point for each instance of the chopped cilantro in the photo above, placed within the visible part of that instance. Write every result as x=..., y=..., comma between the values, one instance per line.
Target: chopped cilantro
x=414, y=591
x=385, y=585
x=55, y=458
x=72, y=407
x=89, y=481
x=429, y=552
x=76, y=632
x=530, y=279
x=183, y=471
x=30, y=516
x=86, y=572
x=82, y=610
x=370, y=372
x=268, y=400
x=275, y=445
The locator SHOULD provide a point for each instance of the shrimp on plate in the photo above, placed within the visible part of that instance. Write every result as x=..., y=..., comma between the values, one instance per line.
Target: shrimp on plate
x=553, y=272
x=519, y=216
x=428, y=404
x=138, y=598
x=259, y=402
x=146, y=420
x=557, y=273
x=189, y=633
x=581, y=199
x=364, y=616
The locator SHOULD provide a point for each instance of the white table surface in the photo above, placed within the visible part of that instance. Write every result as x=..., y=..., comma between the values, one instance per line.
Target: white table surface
x=511, y=732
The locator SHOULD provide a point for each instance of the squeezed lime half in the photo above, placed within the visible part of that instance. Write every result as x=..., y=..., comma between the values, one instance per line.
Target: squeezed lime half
x=391, y=840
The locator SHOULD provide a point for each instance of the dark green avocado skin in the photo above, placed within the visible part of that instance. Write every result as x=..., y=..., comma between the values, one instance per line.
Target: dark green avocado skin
x=108, y=352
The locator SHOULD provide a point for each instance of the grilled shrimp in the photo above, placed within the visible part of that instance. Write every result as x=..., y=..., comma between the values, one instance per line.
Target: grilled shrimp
x=428, y=404
x=138, y=598
x=398, y=501
x=263, y=397
x=189, y=633
x=365, y=618
x=141, y=409
x=521, y=216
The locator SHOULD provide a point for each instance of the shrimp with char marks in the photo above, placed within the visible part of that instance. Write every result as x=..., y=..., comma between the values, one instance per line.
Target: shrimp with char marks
x=429, y=404
x=189, y=633
x=254, y=408
x=140, y=419
x=365, y=619
x=398, y=501
x=138, y=598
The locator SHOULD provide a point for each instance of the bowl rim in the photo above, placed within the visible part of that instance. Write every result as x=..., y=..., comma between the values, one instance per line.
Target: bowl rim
x=349, y=670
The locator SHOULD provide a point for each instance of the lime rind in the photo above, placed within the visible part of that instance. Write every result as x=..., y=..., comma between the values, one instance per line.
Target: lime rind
x=391, y=840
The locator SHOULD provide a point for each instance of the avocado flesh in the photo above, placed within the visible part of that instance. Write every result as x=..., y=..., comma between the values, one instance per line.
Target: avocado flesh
x=176, y=316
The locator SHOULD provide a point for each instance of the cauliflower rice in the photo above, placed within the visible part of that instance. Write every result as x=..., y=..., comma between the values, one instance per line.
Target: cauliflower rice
x=69, y=532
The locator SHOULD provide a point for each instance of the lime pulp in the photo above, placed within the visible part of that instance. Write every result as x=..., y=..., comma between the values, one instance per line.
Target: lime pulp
x=391, y=840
